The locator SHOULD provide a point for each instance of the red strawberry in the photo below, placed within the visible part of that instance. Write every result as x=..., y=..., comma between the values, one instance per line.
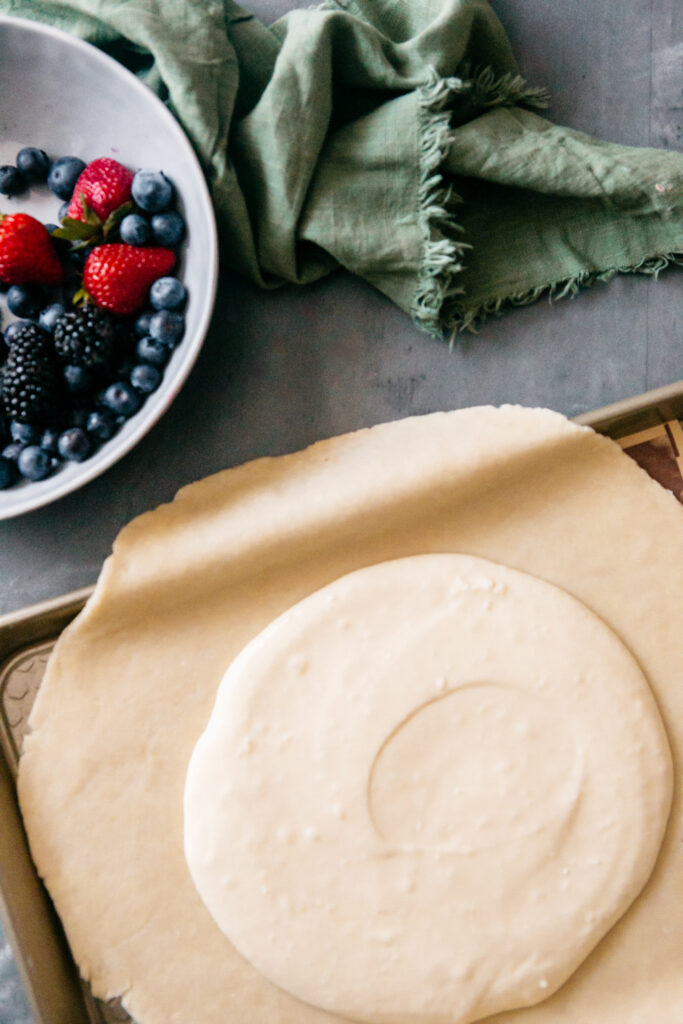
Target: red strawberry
x=118, y=276
x=103, y=187
x=27, y=255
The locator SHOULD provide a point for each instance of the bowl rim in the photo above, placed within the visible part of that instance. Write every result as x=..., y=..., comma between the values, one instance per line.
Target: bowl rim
x=205, y=305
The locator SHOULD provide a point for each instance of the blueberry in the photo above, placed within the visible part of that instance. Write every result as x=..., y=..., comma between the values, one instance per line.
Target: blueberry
x=168, y=293
x=152, y=191
x=48, y=441
x=33, y=463
x=63, y=175
x=8, y=473
x=24, y=301
x=13, y=328
x=142, y=323
x=145, y=378
x=50, y=315
x=122, y=399
x=151, y=351
x=101, y=424
x=78, y=379
x=12, y=451
x=134, y=230
x=63, y=211
x=12, y=180
x=74, y=444
x=25, y=433
x=167, y=228
x=167, y=326
x=33, y=163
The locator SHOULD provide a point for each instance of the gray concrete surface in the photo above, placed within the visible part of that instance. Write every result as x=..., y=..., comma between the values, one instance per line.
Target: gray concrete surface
x=280, y=370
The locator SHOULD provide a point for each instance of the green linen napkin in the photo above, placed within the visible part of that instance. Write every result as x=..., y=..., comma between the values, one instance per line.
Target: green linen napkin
x=395, y=139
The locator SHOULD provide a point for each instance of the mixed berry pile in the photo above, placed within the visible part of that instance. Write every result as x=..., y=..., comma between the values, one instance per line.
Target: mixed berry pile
x=98, y=309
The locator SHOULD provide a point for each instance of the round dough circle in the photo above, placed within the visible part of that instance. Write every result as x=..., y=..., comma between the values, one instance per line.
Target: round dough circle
x=427, y=791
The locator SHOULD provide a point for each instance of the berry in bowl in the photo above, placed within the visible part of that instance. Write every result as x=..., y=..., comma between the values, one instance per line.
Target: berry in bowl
x=108, y=263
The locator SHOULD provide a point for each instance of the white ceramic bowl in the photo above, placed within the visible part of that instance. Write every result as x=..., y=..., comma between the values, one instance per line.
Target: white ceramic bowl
x=66, y=97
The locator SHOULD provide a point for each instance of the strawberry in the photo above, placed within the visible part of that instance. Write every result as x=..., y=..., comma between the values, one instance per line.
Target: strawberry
x=100, y=200
x=102, y=187
x=118, y=277
x=27, y=255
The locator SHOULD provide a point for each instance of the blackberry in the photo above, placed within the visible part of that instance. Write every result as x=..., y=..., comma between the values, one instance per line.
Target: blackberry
x=12, y=329
x=28, y=338
x=85, y=337
x=30, y=384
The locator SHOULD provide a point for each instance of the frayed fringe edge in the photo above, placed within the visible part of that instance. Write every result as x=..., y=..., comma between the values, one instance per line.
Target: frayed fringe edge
x=510, y=90
x=443, y=251
x=569, y=288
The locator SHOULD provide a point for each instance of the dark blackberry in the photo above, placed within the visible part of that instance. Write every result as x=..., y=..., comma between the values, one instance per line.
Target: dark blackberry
x=85, y=337
x=27, y=338
x=30, y=384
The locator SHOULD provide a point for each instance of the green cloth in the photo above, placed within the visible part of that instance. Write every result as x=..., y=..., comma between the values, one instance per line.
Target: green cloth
x=394, y=139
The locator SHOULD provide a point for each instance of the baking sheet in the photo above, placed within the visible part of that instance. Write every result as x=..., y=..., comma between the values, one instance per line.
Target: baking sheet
x=647, y=427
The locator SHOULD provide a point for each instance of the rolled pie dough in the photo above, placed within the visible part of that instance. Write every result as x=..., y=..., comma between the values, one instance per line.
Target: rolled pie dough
x=132, y=683
x=427, y=791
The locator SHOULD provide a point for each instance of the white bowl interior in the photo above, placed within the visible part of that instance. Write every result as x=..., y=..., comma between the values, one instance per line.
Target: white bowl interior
x=68, y=98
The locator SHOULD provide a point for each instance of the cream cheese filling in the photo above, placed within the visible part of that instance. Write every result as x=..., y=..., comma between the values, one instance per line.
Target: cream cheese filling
x=427, y=791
